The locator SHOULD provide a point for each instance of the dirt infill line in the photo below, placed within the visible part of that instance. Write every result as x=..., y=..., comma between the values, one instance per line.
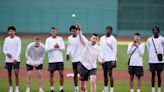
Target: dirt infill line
x=118, y=74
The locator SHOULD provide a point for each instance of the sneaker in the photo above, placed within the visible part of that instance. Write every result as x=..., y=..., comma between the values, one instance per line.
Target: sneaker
x=27, y=90
x=16, y=90
x=41, y=90
x=76, y=90
x=105, y=90
x=61, y=90
x=52, y=91
x=10, y=89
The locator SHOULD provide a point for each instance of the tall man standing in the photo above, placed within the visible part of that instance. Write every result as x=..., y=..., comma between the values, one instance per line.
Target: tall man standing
x=155, y=46
x=135, y=52
x=108, y=44
x=74, y=50
x=35, y=53
x=55, y=47
x=12, y=50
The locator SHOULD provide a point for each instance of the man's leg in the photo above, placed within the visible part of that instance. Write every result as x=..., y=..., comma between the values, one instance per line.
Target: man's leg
x=131, y=83
x=10, y=79
x=52, y=81
x=28, y=80
x=111, y=80
x=153, y=80
x=40, y=76
x=83, y=86
x=139, y=84
x=61, y=79
x=93, y=83
x=75, y=78
x=105, y=71
x=159, y=80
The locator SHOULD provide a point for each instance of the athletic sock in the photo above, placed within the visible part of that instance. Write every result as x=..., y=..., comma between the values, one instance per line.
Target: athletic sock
x=76, y=88
x=61, y=87
x=138, y=90
x=52, y=87
x=159, y=89
x=131, y=90
x=153, y=89
x=17, y=87
x=111, y=89
x=106, y=88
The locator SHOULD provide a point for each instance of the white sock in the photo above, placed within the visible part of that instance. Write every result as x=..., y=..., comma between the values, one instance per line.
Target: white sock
x=27, y=89
x=111, y=89
x=40, y=88
x=17, y=87
x=11, y=87
x=61, y=87
x=159, y=89
x=76, y=88
x=131, y=90
x=52, y=87
x=138, y=90
x=106, y=88
x=153, y=89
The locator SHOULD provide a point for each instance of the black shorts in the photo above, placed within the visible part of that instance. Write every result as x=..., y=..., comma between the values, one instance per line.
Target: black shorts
x=30, y=67
x=156, y=67
x=136, y=70
x=55, y=66
x=10, y=66
x=75, y=66
x=85, y=73
x=109, y=65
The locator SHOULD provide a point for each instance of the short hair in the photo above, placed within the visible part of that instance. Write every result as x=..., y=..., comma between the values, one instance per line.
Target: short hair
x=138, y=34
x=11, y=28
x=53, y=28
x=109, y=27
x=156, y=28
x=36, y=38
x=72, y=27
x=94, y=34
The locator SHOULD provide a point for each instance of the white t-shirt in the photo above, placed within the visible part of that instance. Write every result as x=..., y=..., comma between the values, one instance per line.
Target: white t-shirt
x=13, y=47
x=35, y=55
x=90, y=53
x=55, y=54
x=109, y=48
x=159, y=43
x=74, y=48
x=137, y=57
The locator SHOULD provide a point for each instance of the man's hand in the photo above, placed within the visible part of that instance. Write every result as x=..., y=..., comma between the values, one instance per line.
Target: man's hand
x=56, y=46
x=15, y=61
x=101, y=61
x=67, y=57
x=9, y=55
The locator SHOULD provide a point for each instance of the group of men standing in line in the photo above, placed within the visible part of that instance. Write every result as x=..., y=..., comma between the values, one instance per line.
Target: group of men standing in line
x=84, y=54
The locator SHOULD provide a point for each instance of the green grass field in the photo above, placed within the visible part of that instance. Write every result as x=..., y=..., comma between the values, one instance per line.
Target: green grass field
x=120, y=85
x=121, y=55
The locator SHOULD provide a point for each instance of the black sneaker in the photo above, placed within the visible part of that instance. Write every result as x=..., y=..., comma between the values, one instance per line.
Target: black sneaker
x=52, y=91
x=61, y=90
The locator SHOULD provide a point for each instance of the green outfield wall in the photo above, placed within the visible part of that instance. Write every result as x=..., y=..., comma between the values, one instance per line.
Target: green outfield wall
x=125, y=16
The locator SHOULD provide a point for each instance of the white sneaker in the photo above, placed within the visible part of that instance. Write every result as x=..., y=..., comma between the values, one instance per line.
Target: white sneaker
x=27, y=90
x=10, y=89
x=76, y=90
x=41, y=90
x=16, y=90
x=105, y=90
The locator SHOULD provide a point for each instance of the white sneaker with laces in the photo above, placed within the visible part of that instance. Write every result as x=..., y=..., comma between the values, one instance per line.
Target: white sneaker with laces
x=10, y=89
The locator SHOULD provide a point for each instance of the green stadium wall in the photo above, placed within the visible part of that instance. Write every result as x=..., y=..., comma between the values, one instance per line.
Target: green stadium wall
x=125, y=16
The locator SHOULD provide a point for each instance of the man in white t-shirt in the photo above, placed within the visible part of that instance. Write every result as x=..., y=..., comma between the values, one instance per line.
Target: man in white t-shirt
x=73, y=52
x=155, y=45
x=87, y=66
x=35, y=53
x=135, y=52
x=55, y=47
x=12, y=50
x=108, y=44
